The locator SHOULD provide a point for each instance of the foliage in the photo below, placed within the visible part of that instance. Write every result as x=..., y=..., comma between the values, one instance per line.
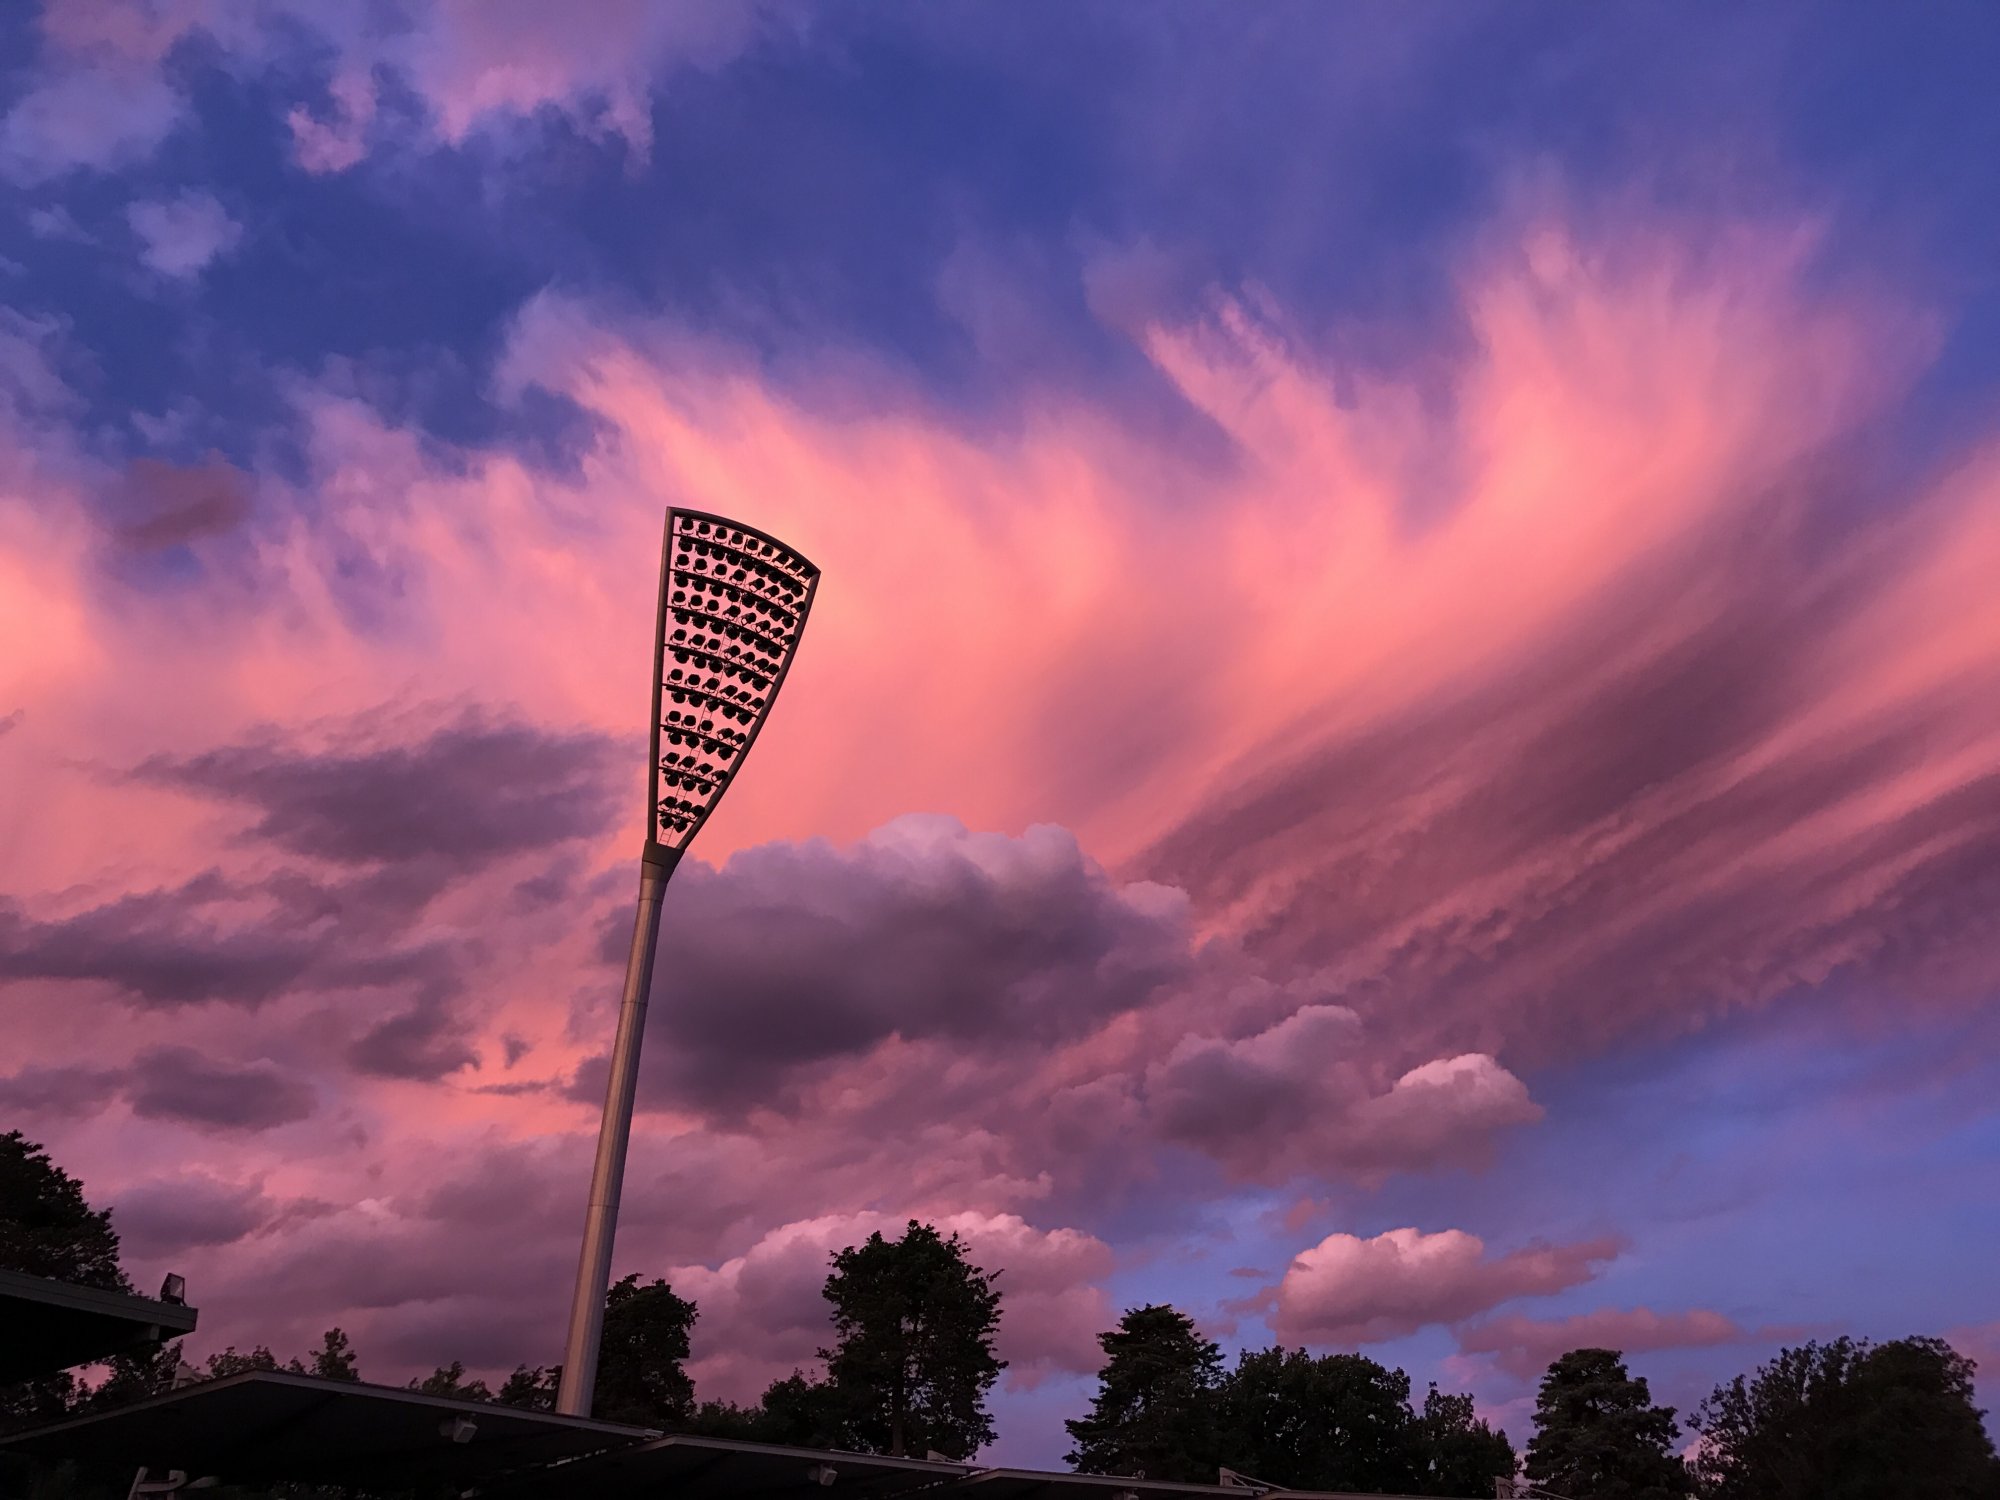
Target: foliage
x=1453, y=1452
x=532, y=1388
x=449, y=1380
x=797, y=1411
x=640, y=1378
x=1337, y=1422
x=1154, y=1413
x=804, y=1412
x=334, y=1359
x=46, y=1227
x=1847, y=1420
x=133, y=1376
x=913, y=1356
x=229, y=1362
x=1598, y=1433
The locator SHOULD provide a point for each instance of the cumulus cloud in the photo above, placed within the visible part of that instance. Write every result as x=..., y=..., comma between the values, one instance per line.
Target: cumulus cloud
x=1349, y=1290
x=181, y=236
x=1524, y=1347
x=790, y=955
x=1297, y=1097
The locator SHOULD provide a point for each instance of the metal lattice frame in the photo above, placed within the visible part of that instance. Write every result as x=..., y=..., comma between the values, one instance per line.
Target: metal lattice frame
x=733, y=604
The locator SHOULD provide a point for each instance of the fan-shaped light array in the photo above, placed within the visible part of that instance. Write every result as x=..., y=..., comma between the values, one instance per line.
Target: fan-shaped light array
x=733, y=604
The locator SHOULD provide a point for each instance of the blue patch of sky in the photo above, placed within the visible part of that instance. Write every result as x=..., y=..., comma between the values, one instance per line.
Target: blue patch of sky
x=815, y=191
x=1783, y=1168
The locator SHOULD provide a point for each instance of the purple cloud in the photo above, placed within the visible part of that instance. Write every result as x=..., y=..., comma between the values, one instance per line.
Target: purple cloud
x=180, y=1084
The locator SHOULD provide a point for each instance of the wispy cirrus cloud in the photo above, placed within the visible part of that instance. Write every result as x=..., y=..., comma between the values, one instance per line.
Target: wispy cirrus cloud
x=1370, y=804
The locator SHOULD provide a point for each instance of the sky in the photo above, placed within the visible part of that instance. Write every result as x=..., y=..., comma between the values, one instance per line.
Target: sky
x=1399, y=745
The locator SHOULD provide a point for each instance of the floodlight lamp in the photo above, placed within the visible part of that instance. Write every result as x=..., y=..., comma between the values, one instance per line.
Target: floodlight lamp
x=174, y=1290
x=709, y=664
x=458, y=1429
x=822, y=1474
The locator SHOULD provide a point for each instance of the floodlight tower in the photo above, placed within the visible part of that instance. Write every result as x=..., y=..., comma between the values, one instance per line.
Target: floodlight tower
x=733, y=604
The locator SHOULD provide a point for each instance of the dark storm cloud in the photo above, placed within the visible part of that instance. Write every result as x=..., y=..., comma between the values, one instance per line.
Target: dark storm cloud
x=424, y=1043
x=160, y=947
x=165, y=1083
x=61, y=1091
x=178, y=1083
x=168, y=1215
x=793, y=954
x=476, y=790
x=238, y=943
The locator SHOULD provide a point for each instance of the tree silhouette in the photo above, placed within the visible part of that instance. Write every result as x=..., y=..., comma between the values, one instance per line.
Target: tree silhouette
x=640, y=1378
x=449, y=1380
x=1453, y=1452
x=1338, y=1422
x=1847, y=1420
x=532, y=1388
x=46, y=1226
x=913, y=1355
x=1598, y=1433
x=1154, y=1412
x=332, y=1360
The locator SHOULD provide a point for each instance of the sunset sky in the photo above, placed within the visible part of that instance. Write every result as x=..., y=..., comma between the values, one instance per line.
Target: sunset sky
x=1399, y=745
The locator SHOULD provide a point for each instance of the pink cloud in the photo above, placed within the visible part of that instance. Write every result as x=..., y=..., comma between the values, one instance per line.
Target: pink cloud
x=1524, y=1347
x=1349, y=1290
x=105, y=98
x=1298, y=1097
x=1613, y=738
x=1980, y=1343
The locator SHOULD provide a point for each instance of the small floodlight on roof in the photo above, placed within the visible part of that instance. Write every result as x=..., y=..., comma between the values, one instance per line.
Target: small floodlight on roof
x=821, y=1474
x=458, y=1429
x=174, y=1289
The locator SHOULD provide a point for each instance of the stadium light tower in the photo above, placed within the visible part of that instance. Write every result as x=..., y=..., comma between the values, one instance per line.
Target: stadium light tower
x=733, y=604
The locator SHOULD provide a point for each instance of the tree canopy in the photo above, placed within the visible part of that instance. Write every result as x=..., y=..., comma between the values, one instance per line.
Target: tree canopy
x=1598, y=1433
x=640, y=1378
x=913, y=1359
x=1847, y=1420
x=1154, y=1412
x=449, y=1381
x=334, y=1359
x=46, y=1226
x=1454, y=1452
x=1335, y=1422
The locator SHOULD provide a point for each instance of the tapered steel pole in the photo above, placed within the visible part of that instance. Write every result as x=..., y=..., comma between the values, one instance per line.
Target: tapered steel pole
x=614, y=1134
x=733, y=607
